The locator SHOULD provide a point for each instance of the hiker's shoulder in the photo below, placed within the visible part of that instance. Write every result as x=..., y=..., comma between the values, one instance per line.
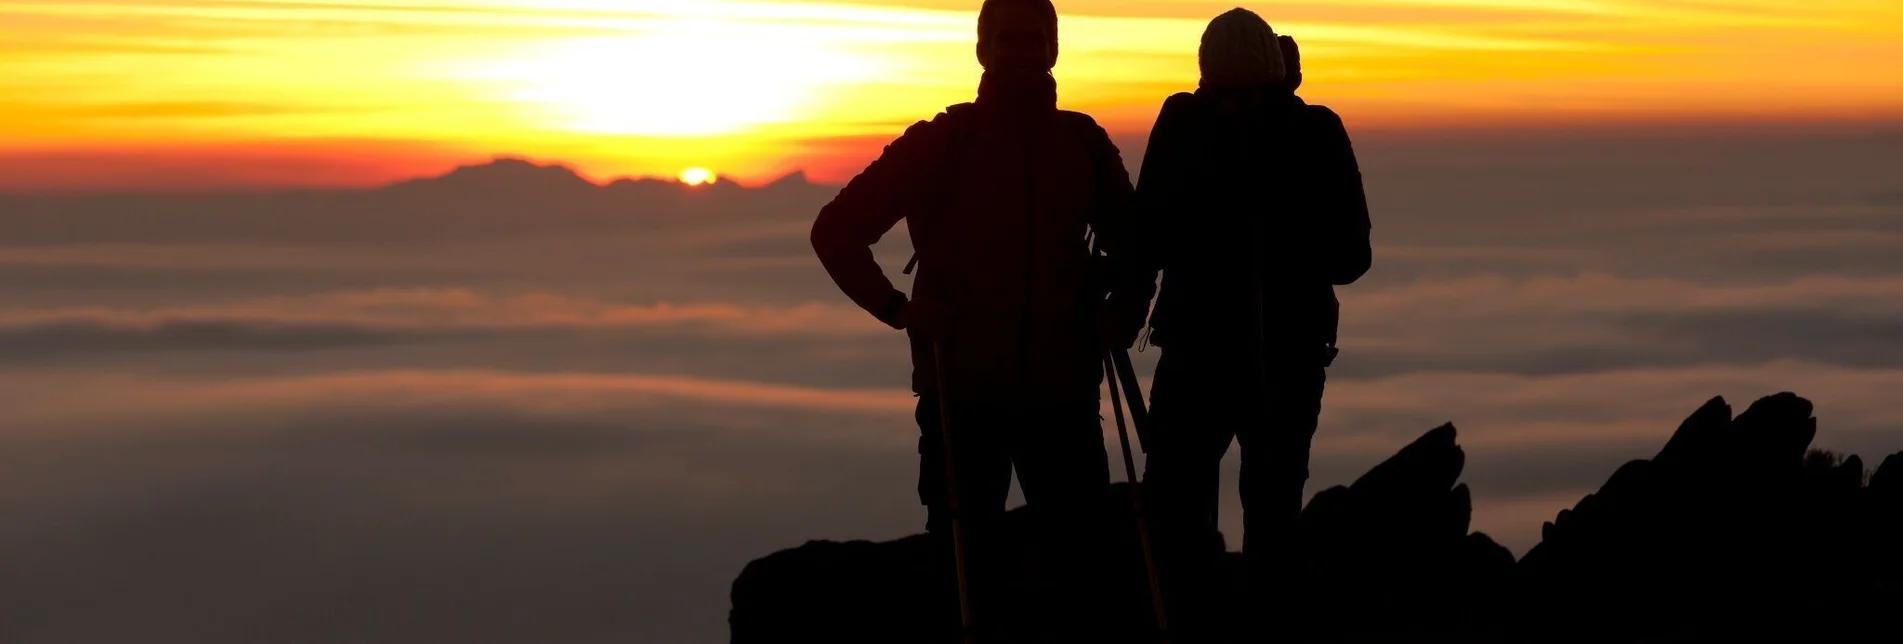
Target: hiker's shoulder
x=1092, y=136
x=1323, y=116
x=1181, y=101
x=1084, y=122
x=950, y=117
x=1181, y=106
x=934, y=132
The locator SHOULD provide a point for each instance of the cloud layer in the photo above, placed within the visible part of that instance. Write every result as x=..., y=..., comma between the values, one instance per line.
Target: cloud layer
x=512, y=405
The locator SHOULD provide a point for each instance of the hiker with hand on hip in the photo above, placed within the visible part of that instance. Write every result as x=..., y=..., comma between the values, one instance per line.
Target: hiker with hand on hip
x=998, y=196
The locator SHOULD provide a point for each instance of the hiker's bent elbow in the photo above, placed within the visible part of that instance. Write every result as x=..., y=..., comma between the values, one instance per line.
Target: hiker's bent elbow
x=817, y=237
x=829, y=234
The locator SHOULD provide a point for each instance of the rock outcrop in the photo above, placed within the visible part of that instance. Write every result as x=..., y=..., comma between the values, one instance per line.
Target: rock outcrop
x=1735, y=529
x=1391, y=554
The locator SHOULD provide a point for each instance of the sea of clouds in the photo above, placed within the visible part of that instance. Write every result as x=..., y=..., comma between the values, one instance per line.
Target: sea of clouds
x=508, y=405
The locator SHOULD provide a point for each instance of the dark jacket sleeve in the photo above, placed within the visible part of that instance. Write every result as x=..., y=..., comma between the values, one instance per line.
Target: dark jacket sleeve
x=1346, y=238
x=867, y=208
x=1113, y=221
x=1160, y=186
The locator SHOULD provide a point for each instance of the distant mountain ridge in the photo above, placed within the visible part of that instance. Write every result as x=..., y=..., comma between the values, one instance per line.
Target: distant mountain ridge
x=522, y=173
x=503, y=198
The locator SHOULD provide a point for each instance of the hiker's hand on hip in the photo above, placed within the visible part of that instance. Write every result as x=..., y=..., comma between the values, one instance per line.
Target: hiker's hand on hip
x=925, y=316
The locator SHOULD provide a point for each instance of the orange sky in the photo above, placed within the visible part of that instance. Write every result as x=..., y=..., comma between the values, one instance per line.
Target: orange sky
x=268, y=92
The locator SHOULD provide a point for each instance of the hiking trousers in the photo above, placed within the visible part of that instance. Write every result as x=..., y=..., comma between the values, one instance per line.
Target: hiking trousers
x=1202, y=399
x=1058, y=453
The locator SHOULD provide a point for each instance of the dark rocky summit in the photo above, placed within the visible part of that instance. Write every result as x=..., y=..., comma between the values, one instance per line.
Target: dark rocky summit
x=1736, y=529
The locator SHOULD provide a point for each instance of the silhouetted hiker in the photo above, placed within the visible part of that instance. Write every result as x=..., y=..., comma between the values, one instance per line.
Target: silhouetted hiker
x=997, y=195
x=1253, y=202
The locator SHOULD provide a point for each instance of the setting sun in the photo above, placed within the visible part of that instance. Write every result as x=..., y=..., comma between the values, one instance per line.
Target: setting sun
x=680, y=78
x=698, y=176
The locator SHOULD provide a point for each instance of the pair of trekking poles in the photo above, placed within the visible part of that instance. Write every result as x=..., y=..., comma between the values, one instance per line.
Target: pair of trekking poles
x=1117, y=369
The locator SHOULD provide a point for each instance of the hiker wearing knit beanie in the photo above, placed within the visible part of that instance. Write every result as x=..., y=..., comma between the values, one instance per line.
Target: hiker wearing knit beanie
x=1240, y=50
x=1252, y=202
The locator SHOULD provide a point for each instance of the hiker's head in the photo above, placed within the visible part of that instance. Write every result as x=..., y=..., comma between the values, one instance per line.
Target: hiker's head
x=1239, y=50
x=1017, y=35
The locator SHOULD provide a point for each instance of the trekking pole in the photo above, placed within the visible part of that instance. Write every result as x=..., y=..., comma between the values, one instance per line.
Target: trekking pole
x=1136, y=502
x=951, y=496
x=1139, y=415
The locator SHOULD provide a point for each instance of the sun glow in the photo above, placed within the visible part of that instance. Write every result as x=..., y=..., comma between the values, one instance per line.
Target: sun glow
x=682, y=78
x=360, y=92
x=698, y=176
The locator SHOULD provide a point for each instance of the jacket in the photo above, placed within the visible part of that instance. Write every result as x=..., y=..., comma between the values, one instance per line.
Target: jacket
x=997, y=203
x=1278, y=191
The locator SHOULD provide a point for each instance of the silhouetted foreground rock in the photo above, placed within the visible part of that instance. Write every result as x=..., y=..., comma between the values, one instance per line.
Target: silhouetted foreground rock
x=1736, y=529
x=1391, y=553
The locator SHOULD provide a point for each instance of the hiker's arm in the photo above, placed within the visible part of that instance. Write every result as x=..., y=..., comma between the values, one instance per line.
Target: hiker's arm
x=1345, y=227
x=1159, y=188
x=864, y=211
x=1113, y=222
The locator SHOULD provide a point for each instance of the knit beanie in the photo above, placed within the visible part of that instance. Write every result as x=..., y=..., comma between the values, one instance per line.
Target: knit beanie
x=1239, y=50
x=988, y=17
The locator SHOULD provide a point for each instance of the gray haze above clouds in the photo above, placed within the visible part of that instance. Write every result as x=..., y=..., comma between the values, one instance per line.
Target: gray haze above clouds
x=506, y=405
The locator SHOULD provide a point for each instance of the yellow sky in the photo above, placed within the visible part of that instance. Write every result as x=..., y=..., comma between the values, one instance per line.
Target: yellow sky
x=758, y=87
